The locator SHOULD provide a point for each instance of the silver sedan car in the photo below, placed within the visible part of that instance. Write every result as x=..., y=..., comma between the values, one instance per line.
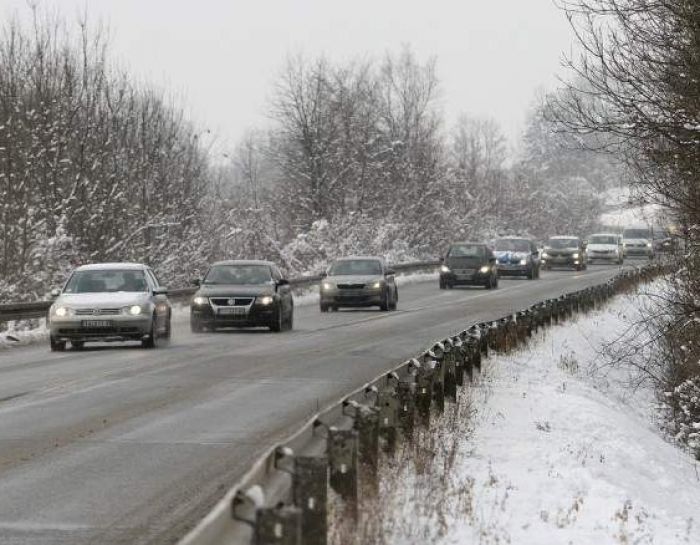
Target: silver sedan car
x=110, y=302
x=361, y=281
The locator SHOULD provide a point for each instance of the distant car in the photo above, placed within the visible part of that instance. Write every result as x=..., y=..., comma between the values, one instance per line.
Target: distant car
x=517, y=257
x=638, y=242
x=469, y=264
x=362, y=281
x=663, y=241
x=564, y=251
x=110, y=302
x=242, y=293
x=605, y=247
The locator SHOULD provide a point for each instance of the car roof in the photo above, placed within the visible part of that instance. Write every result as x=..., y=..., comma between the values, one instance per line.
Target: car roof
x=468, y=243
x=515, y=238
x=244, y=262
x=354, y=257
x=604, y=235
x=110, y=266
x=563, y=237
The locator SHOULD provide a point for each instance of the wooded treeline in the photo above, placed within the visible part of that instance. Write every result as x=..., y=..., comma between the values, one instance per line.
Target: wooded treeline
x=359, y=159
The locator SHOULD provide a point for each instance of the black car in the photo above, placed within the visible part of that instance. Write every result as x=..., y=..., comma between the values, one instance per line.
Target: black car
x=469, y=264
x=517, y=257
x=242, y=294
x=564, y=251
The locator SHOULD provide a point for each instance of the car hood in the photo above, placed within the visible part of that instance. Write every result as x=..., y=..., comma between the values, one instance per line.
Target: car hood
x=505, y=256
x=561, y=250
x=354, y=279
x=456, y=262
x=235, y=289
x=636, y=240
x=102, y=300
x=603, y=247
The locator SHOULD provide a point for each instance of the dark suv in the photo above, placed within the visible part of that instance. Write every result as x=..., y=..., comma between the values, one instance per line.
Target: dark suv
x=469, y=264
x=242, y=294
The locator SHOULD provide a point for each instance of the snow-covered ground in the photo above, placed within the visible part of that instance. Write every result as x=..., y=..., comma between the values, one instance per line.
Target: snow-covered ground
x=549, y=448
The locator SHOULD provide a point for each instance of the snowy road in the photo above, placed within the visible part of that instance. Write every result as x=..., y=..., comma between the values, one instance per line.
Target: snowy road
x=120, y=445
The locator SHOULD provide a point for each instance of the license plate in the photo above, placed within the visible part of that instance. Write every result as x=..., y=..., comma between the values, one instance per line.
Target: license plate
x=236, y=311
x=96, y=323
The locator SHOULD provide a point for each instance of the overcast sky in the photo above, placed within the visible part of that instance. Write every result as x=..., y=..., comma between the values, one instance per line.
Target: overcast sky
x=220, y=57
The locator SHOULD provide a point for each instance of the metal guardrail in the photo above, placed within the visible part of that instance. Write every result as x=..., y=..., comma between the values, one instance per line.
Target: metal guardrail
x=24, y=311
x=283, y=498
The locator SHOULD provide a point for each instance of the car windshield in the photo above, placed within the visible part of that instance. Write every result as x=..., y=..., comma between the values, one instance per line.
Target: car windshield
x=636, y=233
x=562, y=243
x=603, y=239
x=238, y=275
x=466, y=250
x=365, y=267
x=108, y=280
x=512, y=245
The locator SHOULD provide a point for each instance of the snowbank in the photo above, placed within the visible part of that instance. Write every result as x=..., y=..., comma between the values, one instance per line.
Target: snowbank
x=552, y=448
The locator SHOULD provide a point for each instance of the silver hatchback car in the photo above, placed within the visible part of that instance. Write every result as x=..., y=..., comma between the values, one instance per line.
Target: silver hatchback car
x=110, y=302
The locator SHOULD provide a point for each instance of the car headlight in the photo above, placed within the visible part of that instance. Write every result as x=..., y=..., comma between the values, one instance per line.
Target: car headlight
x=327, y=286
x=266, y=300
x=377, y=285
x=576, y=255
x=485, y=269
x=648, y=244
x=545, y=255
x=199, y=301
x=523, y=261
x=62, y=312
x=444, y=269
x=134, y=310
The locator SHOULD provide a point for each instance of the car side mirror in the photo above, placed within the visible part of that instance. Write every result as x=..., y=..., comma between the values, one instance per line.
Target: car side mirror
x=196, y=282
x=390, y=272
x=160, y=290
x=55, y=292
x=324, y=274
x=283, y=282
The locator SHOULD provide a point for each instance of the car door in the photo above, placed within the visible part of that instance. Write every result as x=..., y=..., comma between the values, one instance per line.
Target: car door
x=284, y=291
x=160, y=300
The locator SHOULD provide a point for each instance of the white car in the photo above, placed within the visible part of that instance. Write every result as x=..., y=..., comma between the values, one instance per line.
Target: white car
x=605, y=247
x=109, y=302
x=638, y=242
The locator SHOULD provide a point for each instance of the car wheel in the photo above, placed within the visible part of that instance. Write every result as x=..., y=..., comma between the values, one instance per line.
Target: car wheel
x=443, y=285
x=196, y=326
x=531, y=274
x=395, y=301
x=385, y=302
x=57, y=346
x=278, y=323
x=323, y=308
x=168, y=329
x=495, y=282
x=152, y=341
x=77, y=345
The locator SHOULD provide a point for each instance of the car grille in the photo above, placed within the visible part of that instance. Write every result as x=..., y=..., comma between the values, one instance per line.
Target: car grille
x=97, y=311
x=98, y=331
x=232, y=301
x=351, y=286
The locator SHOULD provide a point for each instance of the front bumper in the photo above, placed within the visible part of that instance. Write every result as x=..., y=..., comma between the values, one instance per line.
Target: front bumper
x=603, y=256
x=562, y=261
x=103, y=328
x=465, y=279
x=255, y=316
x=353, y=298
x=642, y=251
x=508, y=269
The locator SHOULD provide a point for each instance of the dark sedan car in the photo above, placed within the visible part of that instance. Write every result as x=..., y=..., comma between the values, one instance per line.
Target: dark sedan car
x=469, y=264
x=242, y=294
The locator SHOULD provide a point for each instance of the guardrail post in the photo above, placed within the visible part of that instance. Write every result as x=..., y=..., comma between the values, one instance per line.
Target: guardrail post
x=310, y=492
x=367, y=426
x=388, y=406
x=342, y=457
x=460, y=360
x=483, y=332
x=437, y=355
x=424, y=390
x=279, y=525
x=406, y=392
x=450, y=364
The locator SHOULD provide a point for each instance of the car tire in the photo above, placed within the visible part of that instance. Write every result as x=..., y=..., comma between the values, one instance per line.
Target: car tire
x=278, y=324
x=531, y=274
x=152, y=341
x=77, y=345
x=196, y=326
x=57, y=346
x=443, y=285
x=395, y=300
x=168, y=329
x=385, y=306
x=323, y=308
x=495, y=282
